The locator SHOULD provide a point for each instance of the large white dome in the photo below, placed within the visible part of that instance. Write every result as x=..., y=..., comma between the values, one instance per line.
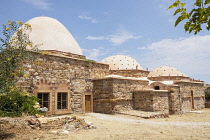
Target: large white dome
x=121, y=62
x=165, y=71
x=53, y=35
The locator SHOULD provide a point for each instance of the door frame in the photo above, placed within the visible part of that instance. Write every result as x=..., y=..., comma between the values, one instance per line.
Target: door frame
x=91, y=101
x=192, y=100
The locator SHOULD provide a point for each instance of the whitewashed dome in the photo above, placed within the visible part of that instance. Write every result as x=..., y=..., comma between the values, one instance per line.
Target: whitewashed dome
x=165, y=71
x=121, y=62
x=53, y=35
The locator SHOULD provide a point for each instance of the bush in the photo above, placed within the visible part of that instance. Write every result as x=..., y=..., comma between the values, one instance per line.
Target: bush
x=16, y=103
x=207, y=97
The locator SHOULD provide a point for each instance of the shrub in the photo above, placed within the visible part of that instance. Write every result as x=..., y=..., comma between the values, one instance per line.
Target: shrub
x=207, y=97
x=16, y=103
x=13, y=53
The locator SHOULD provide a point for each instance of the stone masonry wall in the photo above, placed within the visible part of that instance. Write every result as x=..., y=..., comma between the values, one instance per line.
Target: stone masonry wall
x=186, y=96
x=102, y=96
x=175, y=100
x=143, y=100
x=169, y=78
x=76, y=73
x=160, y=85
x=60, y=53
x=193, y=96
x=123, y=91
x=160, y=101
x=151, y=101
x=130, y=73
x=118, y=92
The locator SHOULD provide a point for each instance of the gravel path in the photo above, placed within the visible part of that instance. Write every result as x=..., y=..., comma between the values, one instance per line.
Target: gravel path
x=149, y=122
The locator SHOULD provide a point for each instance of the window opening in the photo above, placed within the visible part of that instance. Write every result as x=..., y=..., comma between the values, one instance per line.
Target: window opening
x=62, y=100
x=157, y=87
x=44, y=99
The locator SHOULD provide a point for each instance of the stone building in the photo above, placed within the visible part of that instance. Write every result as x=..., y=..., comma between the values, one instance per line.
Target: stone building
x=164, y=89
x=66, y=82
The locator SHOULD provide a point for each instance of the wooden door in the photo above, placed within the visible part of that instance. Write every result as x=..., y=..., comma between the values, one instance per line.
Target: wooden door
x=192, y=100
x=87, y=103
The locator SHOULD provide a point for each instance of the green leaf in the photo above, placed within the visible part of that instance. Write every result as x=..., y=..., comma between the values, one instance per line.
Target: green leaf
x=198, y=28
x=185, y=15
x=208, y=25
x=187, y=26
x=179, y=19
x=175, y=4
x=172, y=6
x=190, y=30
x=198, y=3
x=182, y=4
x=207, y=2
x=177, y=11
x=191, y=12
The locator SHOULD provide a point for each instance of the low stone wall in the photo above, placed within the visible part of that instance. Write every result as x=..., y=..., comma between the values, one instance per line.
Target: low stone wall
x=207, y=104
x=151, y=101
x=104, y=106
x=110, y=106
x=123, y=105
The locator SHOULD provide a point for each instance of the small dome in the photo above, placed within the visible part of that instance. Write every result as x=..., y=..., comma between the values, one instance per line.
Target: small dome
x=121, y=62
x=53, y=35
x=165, y=71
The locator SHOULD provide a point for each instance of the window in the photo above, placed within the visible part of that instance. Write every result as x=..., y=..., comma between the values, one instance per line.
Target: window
x=44, y=99
x=157, y=87
x=62, y=100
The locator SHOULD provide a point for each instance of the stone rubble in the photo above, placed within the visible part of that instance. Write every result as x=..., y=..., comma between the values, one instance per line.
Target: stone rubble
x=60, y=124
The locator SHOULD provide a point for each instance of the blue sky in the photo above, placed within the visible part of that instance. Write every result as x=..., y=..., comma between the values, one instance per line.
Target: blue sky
x=143, y=30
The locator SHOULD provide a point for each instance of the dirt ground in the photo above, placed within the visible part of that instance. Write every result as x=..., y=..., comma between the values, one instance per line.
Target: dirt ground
x=194, y=126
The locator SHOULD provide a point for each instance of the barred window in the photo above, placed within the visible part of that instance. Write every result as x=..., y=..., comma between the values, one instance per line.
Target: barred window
x=44, y=99
x=62, y=100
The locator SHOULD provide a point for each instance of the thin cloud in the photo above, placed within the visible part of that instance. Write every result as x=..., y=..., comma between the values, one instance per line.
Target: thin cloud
x=94, y=54
x=41, y=4
x=121, y=37
x=171, y=21
x=190, y=55
x=116, y=39
x=88, y=18
x=95, y=38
